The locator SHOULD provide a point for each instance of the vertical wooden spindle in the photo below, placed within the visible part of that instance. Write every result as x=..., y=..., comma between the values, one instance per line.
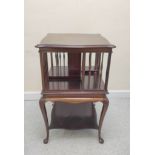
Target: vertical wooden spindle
x=107, y=72
x=60, y=63
x=90, y=55
x=51, y=60
x=102, y=63
x=51, y=63
x=57, y=63
x=52, y=68
x=101, y=69
x=89, y=70
x=59, y=59
x=83, y=67
x=99, y=62
x=67, y=69
x=96, y=69
x=64, y=62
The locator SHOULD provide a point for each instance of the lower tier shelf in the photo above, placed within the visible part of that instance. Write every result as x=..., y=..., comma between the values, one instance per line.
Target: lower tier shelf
x=73, y=116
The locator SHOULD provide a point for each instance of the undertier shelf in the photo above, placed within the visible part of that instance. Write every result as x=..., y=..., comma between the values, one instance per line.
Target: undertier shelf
x=73, y=116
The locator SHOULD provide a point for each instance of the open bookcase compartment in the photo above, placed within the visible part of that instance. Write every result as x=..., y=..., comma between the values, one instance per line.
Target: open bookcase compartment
x=75, y=71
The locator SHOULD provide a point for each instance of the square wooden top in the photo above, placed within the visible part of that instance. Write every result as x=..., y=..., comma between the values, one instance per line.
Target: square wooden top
x=74, y=41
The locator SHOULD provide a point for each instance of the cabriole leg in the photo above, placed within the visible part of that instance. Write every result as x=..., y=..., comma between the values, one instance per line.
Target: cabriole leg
x=103, y=112
x=44, y=113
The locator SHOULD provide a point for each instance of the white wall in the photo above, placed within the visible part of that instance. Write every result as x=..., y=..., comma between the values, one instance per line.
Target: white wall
x=107, y=17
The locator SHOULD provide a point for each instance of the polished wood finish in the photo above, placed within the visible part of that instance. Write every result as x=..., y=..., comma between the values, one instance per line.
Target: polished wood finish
x=72, y=81
x=107, y=72
x=44, y=113
x=71, y=116
x=74, y=41
x=74, y=65
x=75, y=100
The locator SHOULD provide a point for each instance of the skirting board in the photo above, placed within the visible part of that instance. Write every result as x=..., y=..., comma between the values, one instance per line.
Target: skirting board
x=35, y=95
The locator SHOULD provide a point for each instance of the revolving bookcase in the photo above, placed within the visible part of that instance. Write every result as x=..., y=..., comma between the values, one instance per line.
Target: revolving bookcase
x=75, y=72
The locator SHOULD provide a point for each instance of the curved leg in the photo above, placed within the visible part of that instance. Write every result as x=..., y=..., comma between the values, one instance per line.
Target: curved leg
x=44, y=113
x=103, y=112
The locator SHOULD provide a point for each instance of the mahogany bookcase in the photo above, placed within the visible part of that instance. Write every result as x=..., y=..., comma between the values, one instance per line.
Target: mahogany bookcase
x=75, y=72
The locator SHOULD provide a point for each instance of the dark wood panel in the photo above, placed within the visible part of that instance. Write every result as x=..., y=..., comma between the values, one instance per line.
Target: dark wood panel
x=74, y=64
x=73, y=116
